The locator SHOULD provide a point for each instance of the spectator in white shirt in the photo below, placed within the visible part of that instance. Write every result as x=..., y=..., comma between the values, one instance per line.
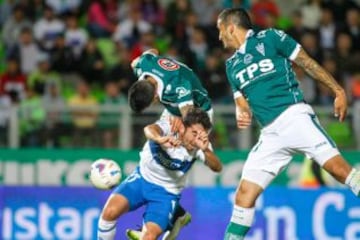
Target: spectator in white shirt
x=75, y=37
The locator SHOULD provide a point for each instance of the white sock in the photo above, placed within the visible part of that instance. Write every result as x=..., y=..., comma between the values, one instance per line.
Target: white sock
x=243, y=216
x=353, y=181
x=106, y=229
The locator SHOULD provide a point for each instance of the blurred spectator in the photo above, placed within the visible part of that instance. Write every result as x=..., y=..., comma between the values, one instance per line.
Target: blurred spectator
x=61, y=56
x=47, y=28
x=325, y=95
x=5, y=10
x=130, y=29
x=122, y=72
x=99, y=25
x=13, y=82
x=32, y=119
x=297, y=29
x=75, y=37
x=206, y=9
x=327, y=30
x=198, y=48
x=152, y=12
x=126, y=6
x=355, y=84
x=309, y=43
x=5, y=104
x=62, y=7
x=311, y=13
x=343, y=53
x=352, y=27
x=110, y=124
x=213, y=77
x=339, y=8
x=147, y=41
x=13, y=26
x=175, y=18
x=92, y=64
x=54, y=105
x=84, y=115
x=34, y=9
x=307, y=85
x=236, y=4
x=25, y=51
x=42, y=76
x=262, y=9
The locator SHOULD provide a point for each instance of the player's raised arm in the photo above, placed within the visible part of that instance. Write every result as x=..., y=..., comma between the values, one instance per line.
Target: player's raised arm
x=320, y=74
x=243, y=113
x=206, y=154
x=155, y=133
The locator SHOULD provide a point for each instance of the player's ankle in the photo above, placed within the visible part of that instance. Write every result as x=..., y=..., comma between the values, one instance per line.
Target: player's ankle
x=106, y=229
x=240, y=223
x=353, y=181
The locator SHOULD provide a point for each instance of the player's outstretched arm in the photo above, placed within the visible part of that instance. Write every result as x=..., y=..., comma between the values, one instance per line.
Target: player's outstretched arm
x=243, y=113
x=206, y=154
x=320, y=74
x=154, y=132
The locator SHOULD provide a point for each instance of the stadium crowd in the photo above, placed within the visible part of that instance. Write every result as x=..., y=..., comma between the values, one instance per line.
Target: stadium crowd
x=57, y=53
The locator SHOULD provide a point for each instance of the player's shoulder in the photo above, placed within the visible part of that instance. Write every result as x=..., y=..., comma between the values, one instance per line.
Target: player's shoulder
x=269, y=33
x=229, y=62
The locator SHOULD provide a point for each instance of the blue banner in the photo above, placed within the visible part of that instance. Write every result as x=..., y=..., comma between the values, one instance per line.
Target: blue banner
x=281, y=213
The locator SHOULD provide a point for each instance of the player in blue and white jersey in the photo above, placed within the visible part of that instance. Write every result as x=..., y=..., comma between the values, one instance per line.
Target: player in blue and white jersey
x=165, y=161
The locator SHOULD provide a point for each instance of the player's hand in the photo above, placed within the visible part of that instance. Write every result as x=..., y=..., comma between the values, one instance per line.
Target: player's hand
x=340, y=105
x=176, y=124
x=243, y=119
x=168, y=141
x=202, y=141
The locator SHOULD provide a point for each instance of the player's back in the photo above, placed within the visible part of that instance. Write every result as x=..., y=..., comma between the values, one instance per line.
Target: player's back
x=261, y=70
x=177, y=83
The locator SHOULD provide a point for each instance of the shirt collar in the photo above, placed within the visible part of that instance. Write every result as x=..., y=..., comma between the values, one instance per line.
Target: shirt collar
x=242, y=48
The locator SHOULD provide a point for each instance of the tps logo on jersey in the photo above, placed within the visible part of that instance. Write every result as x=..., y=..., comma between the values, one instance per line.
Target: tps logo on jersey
x=168, y=64
x=182, y=92
x=254, y=71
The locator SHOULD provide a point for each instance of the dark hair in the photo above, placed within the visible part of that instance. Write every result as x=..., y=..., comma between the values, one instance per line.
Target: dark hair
x=238, y=16
x=197, y=116
x=141, y=95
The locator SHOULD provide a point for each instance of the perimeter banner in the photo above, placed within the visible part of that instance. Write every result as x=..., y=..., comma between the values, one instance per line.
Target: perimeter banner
x=32, y=167
x=281, y=214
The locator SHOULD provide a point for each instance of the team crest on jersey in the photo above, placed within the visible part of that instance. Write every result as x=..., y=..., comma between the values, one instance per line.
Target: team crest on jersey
x=248, y=58
x=182, y=92
x=168, y=64
x=260, y=48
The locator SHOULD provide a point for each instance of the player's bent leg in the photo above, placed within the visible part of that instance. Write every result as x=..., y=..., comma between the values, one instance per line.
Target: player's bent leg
x=243, y=212
x=151, y=231
x=114, y=208
x=344, y=173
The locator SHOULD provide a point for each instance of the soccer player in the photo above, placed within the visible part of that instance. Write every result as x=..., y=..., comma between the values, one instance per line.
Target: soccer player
x=265, y=87
x=169, y=82
x=160, y=177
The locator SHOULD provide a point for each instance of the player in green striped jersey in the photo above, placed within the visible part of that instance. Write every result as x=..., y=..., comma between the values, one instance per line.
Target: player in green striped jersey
x=265, y=87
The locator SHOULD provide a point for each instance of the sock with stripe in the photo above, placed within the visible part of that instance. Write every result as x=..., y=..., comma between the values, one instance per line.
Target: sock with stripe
x=353, y=181
x=240, y=223
x=106, y=229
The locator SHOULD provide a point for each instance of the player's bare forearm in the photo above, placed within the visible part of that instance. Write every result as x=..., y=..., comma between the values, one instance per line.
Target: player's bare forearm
x=153, y=132
x=212, y=161
x=317, y=72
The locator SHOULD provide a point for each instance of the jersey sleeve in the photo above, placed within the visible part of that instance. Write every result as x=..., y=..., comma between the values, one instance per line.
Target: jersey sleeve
x=164, y=125
x=145, y=66
x=284, y=44
x=236, y=92
x=184, y=94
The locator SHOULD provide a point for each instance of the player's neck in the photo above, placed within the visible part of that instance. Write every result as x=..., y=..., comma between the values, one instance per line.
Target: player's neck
x=240, y=37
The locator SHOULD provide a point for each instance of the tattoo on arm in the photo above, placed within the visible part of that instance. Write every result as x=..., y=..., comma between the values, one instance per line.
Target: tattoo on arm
x=316, y=71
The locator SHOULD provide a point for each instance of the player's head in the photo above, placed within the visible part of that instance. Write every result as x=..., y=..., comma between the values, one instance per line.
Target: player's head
x=230, y=21
x=195, y=122
x=141, y=95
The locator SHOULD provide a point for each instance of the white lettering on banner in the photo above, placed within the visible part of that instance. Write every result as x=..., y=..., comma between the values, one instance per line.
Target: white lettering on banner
x=322, y=203
x=274, y=215
x=232, y=173
x=77, y=172
x=51, y=172
x=353, y=230
x=31, y=223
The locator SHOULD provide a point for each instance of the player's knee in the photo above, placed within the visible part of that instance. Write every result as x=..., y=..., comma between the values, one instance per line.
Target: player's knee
x=109, y=213
x=245, y=196
x=149, y=235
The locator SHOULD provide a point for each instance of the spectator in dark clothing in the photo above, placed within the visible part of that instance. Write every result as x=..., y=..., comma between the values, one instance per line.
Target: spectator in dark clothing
x=297, y=29
x=92, y=64
x=61, y=56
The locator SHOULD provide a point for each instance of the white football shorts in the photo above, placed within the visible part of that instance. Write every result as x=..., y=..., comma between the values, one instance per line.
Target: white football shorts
x=296, y=130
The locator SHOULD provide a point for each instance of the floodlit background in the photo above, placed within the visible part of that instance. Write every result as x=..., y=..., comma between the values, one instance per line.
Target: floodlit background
x=64, y=76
